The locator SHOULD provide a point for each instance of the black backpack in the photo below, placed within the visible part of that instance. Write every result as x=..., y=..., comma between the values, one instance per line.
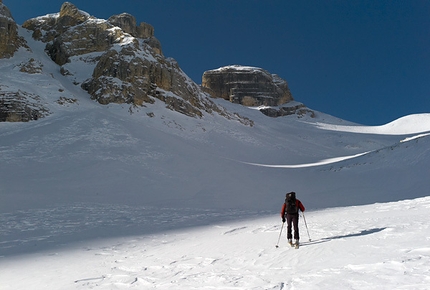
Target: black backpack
x=290, y=201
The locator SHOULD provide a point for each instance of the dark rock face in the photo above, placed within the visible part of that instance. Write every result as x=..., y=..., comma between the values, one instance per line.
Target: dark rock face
x=136, y=74
x=127, y=23
x=17, y=106
x=145, y=31
x=248, y=86
x=20, y=107
x=9, y=39
x=300, y=110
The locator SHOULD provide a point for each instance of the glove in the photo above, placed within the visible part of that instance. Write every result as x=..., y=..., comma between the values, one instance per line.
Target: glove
x=283, y=219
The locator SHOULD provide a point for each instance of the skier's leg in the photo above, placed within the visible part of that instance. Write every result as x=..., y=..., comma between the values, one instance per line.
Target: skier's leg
x=289, y=227
x=295, y=221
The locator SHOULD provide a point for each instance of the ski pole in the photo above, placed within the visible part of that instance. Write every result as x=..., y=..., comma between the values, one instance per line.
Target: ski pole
x=277, y=245
x=306, y=226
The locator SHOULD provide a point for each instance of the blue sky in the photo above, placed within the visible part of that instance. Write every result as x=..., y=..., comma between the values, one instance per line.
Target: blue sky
x=363, y=61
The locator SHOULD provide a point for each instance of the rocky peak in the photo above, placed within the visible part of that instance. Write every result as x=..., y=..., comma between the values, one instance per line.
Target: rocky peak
x=249, y=86
x=47, y=28
x=9, y=39
x=73, y=32
x=70, y=15
x=127, y=23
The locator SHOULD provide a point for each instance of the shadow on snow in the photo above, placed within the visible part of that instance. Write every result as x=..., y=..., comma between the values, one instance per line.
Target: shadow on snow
x=359, y=234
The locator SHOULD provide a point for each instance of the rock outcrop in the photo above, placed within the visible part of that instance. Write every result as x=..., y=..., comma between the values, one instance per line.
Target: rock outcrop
x=145, y=31
x=20, y=107
x=298, y=109
x=16, y=106
x=249, y=86
x=9, y=39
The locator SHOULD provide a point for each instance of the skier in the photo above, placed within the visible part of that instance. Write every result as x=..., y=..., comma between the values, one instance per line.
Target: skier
x=290, y=213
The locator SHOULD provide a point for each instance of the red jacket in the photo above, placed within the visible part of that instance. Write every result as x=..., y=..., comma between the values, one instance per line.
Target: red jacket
x=299, y=205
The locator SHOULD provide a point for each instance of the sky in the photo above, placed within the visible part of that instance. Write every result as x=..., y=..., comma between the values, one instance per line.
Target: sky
x=362, y=61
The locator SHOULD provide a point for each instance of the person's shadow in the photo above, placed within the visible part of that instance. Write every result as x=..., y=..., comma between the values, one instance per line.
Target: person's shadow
x=324, y=240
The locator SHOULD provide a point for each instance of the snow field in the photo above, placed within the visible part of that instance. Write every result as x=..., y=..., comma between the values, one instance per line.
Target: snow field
x=379, y=246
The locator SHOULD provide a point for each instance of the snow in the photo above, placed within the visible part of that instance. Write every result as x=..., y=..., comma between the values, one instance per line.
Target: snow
x=414, y=137
x=411, y=124
x=322, y=162
x=238, y=68
x=378, y=246
x=47, y=17
x=120, y=197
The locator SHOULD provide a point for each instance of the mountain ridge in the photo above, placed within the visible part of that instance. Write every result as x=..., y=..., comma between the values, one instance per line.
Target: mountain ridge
x=123, y=64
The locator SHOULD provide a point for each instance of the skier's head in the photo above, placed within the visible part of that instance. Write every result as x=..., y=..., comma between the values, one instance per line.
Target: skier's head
x=290, y=195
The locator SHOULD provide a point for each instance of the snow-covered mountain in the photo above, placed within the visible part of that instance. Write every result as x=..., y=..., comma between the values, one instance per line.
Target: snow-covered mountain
x=134, y=173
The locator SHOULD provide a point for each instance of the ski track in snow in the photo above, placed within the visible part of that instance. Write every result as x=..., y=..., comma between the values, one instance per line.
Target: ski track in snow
x=379, y=246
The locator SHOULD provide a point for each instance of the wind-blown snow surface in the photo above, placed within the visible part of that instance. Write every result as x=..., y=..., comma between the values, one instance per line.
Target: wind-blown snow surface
x=119, y=197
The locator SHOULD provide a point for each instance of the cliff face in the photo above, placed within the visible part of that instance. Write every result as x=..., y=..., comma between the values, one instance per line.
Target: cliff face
x=20, y=107
x=15, y=106
x=249, y=86
x=9, y=39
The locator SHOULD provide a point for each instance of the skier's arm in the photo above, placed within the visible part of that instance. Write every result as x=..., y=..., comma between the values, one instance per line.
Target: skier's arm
x=301, y=206
x=283, y=212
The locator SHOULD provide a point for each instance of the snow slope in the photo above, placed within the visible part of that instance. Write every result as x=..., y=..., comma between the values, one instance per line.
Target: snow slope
x=118, y=197
x=379, y=246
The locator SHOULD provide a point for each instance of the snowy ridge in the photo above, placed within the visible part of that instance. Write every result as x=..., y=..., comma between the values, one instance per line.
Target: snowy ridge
x=411, y=124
